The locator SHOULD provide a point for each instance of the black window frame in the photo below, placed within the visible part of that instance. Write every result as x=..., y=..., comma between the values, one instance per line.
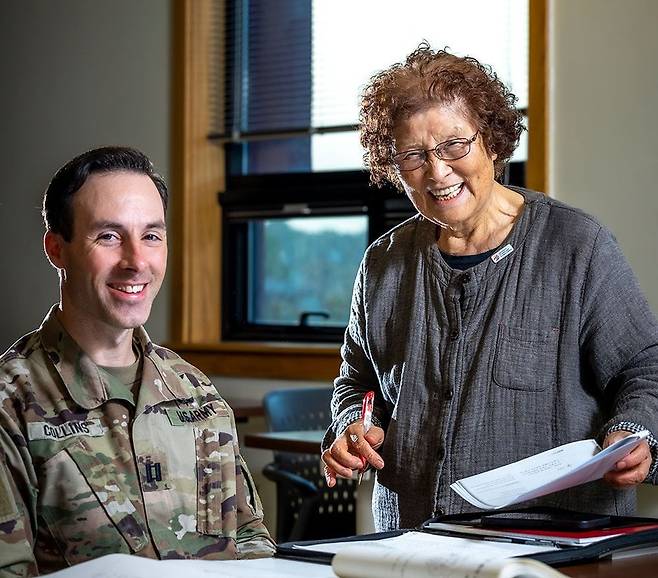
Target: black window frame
x=344, y=193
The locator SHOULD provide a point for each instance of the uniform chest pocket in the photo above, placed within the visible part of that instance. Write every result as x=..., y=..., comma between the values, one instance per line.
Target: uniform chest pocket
x=186, y=458
x=85, y=507
x=526, y=359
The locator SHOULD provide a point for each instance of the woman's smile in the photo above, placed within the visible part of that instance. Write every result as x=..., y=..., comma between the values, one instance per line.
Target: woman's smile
x=446, y=193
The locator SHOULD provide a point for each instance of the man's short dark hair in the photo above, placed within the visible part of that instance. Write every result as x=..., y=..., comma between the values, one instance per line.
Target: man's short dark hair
x=58, y=198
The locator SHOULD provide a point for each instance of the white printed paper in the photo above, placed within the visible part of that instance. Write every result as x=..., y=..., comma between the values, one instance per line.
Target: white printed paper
x=126, y=566
x=550, y=471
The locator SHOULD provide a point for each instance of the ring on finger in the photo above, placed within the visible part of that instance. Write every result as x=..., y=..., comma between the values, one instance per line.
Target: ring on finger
x=354, y=438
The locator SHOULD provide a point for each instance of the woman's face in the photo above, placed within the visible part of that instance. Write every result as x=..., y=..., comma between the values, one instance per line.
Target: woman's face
x=452, y=194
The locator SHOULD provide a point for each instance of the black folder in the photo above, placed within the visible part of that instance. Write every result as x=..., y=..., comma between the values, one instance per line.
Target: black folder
x=563, y=555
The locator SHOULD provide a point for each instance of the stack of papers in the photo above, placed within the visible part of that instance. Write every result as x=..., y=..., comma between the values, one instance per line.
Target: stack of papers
x=420, y=554
x=532, y=536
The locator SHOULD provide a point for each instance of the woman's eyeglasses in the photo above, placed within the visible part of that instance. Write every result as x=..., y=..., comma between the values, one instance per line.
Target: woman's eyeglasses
x=450, y=150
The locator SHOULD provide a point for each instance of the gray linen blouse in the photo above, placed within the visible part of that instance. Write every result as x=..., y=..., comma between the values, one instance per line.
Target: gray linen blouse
x=475, y=369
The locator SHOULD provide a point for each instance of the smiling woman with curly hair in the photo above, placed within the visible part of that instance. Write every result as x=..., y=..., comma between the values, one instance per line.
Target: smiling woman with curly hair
x=427, y=79
x=495, y=324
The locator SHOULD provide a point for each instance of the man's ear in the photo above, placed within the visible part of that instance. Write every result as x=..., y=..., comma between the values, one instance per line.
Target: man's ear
x=52, y=245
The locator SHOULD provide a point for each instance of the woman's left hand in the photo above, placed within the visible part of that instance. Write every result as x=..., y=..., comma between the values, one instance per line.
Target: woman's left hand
x=631, y=470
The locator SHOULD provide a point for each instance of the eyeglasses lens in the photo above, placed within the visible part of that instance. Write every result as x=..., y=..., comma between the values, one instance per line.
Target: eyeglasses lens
x=449, y=151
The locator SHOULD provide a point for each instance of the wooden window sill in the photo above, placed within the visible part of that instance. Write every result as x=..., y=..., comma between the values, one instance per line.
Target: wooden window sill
x=315, y=362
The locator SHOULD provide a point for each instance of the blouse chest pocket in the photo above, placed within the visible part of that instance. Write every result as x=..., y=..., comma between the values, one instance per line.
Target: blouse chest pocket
x=526, y=359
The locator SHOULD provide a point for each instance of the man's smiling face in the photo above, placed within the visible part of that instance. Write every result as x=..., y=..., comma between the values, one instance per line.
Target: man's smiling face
x=114, y=265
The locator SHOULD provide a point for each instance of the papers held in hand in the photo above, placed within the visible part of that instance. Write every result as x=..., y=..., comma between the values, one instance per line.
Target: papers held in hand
x=550, y=471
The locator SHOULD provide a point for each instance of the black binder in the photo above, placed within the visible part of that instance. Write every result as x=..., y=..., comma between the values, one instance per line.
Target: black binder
x=562, y=556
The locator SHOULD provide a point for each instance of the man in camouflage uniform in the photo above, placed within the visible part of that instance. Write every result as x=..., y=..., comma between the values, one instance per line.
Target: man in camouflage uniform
x=110, y=443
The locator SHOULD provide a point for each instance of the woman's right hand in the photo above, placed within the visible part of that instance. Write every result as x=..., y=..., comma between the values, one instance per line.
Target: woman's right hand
x=345, y=453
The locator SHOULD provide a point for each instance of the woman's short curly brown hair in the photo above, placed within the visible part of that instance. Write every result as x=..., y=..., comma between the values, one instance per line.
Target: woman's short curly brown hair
x=428, y=78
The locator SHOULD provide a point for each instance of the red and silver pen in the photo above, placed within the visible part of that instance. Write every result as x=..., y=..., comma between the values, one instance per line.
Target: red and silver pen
x=366, y=417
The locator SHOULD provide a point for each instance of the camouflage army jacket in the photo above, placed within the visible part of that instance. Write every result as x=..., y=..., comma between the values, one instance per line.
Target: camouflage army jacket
x=82, y=475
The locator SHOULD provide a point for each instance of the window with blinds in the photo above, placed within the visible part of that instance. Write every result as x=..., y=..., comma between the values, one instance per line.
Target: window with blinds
x=298, y=212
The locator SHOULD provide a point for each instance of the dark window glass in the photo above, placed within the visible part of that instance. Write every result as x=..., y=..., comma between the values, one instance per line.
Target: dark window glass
x=306, y=268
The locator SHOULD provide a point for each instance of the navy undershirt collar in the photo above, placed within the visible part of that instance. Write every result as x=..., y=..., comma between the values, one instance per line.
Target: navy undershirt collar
x=463, y=262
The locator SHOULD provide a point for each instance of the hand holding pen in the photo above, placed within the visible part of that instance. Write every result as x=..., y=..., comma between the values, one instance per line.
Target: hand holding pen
x=355, y=448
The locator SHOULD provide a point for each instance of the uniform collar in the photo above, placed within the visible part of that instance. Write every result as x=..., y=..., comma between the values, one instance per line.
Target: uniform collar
x=85, y=383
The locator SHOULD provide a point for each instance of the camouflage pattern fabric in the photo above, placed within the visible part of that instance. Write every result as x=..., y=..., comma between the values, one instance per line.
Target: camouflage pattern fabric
x=82, y=475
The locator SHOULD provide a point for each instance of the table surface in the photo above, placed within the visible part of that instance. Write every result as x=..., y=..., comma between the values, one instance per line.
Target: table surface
x=305, y=442
x=645, y=566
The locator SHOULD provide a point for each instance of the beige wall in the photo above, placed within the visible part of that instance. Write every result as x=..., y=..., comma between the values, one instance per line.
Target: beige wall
x=604, y=128
x=604, y=113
